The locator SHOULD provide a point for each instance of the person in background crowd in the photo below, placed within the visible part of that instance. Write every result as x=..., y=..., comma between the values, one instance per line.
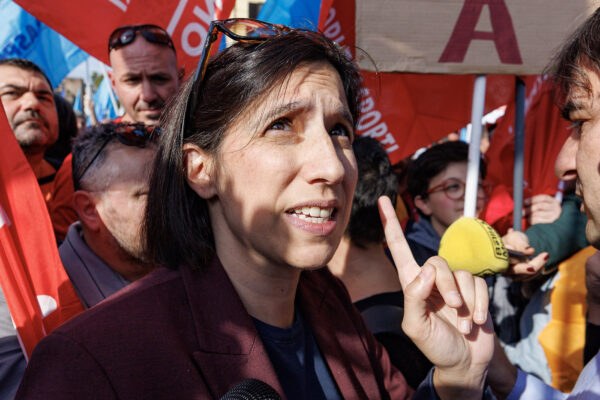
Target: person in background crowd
x=362, y=264
x=28, y=101
x=436, y=183
x=144, y=71
x=144, y=76
x=102, y=252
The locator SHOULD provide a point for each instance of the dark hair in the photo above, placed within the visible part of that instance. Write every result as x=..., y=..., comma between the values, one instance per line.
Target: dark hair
x=67, y=130
x=26, y=65
x=86, y=146
x=581, y=49
x=376, y=178
x=177, y=226
x=434, y=161
x=90, y=148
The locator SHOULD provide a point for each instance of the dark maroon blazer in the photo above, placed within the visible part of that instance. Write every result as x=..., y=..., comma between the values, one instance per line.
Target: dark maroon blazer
x=185, y=334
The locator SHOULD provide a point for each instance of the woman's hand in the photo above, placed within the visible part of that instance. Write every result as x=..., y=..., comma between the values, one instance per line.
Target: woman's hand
x=445, y=315
x=522, y=267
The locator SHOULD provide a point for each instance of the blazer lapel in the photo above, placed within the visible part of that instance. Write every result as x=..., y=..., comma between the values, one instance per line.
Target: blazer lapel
x=338, y=338
x=229, y=348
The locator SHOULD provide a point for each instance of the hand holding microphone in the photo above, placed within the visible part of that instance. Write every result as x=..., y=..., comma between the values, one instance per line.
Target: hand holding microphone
x=472, y=245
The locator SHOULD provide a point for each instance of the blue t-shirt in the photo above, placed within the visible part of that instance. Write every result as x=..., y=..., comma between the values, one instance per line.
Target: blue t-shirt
x=297, y=360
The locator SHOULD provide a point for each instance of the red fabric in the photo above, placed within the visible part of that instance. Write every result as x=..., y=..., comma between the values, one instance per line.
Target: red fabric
x=29, y=261
x=421, y=109
x=61, y=208
x=88, y=23
x=545, y=133
x=409, y=111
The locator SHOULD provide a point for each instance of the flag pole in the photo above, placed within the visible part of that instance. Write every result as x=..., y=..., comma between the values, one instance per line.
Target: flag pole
x=519, y=154
x=470, y=205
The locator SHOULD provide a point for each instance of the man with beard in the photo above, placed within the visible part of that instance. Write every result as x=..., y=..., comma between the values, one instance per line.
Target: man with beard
x=27, y=98
x=102, y=252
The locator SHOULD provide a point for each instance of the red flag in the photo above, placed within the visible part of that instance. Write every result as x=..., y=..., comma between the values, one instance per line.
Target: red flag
x=88, y=23
x=545, y=133
x=37, y=289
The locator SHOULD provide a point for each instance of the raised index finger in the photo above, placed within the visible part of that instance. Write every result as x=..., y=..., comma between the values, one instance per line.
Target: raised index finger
x=406, y=265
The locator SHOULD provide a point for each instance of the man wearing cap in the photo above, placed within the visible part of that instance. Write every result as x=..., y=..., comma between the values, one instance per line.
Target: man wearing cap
x=144, y=76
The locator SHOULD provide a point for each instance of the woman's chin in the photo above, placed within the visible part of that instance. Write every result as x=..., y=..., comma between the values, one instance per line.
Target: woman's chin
x=313, y=261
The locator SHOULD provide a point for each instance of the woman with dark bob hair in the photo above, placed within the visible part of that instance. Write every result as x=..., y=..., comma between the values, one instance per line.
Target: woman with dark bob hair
x=249, y=197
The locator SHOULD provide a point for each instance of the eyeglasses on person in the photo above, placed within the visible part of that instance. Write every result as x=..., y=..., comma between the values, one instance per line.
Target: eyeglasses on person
x=124, y=35
x=137, y=135
x=246, y=30
x=454, y=189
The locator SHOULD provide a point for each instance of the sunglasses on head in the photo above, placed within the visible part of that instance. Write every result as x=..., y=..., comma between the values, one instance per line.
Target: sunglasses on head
x=137, y=135
x=245, y=30
x=124, y=35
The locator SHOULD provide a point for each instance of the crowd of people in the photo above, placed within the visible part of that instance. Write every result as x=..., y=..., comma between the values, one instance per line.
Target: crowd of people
x=232, y=226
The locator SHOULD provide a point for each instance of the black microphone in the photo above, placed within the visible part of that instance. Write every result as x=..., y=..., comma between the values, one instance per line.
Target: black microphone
x=251, y=389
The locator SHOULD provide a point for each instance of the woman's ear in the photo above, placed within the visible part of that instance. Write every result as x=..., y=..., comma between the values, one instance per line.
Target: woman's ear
x=422, y=204
x=199, y=171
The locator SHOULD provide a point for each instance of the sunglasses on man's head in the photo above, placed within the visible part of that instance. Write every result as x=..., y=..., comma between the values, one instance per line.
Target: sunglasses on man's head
x=137, y=135
x=124, y=35
x=245, y=30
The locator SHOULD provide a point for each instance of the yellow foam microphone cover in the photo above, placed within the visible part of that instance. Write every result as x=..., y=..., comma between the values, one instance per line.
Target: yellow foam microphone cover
x=472, y=245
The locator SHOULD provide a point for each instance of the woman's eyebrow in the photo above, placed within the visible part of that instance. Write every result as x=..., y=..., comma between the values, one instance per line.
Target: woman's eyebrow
x=284, y=109
x=300, y=105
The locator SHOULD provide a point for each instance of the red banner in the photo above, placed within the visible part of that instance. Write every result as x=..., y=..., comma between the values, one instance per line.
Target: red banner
x=408, y=111
x=545, y=133
x=88, y=23
x=37, y=289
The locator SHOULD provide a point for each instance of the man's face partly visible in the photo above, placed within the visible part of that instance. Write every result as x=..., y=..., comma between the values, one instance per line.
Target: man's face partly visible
x=29, y=106
x=144, y=77
x=580, y=155
x=121, y=189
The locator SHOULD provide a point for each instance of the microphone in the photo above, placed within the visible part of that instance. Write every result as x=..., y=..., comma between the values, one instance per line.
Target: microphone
x=251, y=389
x=472, y=245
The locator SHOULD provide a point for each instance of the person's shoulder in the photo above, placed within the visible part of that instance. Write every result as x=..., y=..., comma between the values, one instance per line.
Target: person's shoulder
x=149, y=295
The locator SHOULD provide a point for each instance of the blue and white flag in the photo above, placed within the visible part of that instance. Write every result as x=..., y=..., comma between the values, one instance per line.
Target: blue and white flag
x=103, y=106
x=23, y=36
x=293, y=13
